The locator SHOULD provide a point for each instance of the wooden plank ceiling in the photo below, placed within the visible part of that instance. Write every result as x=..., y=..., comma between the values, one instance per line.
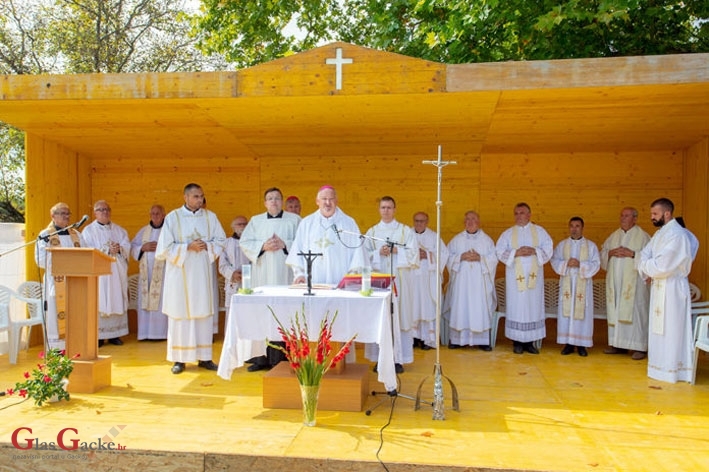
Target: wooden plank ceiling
x=234, y=114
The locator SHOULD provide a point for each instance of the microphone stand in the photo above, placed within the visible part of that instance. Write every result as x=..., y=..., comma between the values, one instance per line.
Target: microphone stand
x=391, y=244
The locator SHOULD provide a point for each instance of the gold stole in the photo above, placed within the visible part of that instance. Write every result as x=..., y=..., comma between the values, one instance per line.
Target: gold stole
x=60, y=281
x=624, y=311
x=150, y=291
x=580, y=301
x=519, y=272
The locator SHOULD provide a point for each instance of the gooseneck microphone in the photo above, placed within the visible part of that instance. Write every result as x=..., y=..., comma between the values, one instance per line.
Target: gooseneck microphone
x=80, y=223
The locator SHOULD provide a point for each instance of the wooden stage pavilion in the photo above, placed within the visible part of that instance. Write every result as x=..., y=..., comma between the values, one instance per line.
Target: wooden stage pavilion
x=546, y=412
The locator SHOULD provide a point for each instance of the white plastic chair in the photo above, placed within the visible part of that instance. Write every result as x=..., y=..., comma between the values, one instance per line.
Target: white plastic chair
x=33, y=316
x=500, y=312
x=133, y=282
x=600, y=310
x=701, y=341
x=694, y=292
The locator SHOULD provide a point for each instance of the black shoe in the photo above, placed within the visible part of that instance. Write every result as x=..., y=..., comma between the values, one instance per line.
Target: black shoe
x=101, y=342
x=178, y=368
x=518, y=348
x=529, y=347
x=254, y=360
x=453, y=346
x=568, y=349
x=418, y=343
x=257, y=367
x=485, y=348
x=376, y=366
x=398, y=368
x=582, y=351
x=116, y=341
x=425, y=347
x=209, y=365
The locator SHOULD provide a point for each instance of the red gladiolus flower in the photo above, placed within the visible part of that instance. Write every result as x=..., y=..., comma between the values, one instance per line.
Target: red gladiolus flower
x=47, y=379
x=27, y=375
x=23, y=393
x=10, y=391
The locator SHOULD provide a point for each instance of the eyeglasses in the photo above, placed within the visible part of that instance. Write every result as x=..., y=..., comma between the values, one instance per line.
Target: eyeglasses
x=102, y=209
x=63, y=213
x=420, y=221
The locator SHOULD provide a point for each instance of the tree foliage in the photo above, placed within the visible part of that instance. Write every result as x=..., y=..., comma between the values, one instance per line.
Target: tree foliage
x=456, y=31
x=87, y=36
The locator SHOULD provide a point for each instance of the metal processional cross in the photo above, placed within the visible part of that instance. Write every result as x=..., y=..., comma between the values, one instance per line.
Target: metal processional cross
x=438, y=413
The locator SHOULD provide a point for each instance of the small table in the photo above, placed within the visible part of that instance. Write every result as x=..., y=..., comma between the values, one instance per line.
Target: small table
x=250, y=319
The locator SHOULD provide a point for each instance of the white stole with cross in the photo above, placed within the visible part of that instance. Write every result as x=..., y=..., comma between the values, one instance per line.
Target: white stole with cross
x=580, y=295
x=523, y=283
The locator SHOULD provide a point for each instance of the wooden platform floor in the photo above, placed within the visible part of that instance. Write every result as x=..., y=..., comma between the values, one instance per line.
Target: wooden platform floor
x=545, y=412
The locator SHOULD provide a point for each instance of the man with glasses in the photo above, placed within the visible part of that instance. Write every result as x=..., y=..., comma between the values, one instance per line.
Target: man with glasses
x=54, y=287
x=266, y=241
x=111, y=239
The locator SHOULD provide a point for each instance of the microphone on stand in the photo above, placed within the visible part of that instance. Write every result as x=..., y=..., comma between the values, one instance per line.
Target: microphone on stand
x=79, y=223
x=334, y=228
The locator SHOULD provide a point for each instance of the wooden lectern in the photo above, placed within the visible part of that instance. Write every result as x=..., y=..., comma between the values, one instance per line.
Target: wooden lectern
x=82, y=267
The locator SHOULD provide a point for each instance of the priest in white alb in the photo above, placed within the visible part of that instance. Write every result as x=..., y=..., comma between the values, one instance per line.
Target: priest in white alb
x=55, y=285
x=404, y=257
x=191, y=240
x=111, y=239
x=152, y=322
x=524, y=249
x=576, y=260
x=666, y=262
x=424, y=291
x=471, y=299
x=627, y=294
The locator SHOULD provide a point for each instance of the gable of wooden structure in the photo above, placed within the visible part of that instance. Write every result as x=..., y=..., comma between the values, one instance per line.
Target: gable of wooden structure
x=570, y=137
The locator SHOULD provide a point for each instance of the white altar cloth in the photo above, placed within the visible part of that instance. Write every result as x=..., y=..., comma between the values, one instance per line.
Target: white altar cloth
x=250, y=319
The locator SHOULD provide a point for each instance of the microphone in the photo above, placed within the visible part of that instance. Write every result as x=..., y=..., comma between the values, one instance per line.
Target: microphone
x=334, y=228
x=80, y=223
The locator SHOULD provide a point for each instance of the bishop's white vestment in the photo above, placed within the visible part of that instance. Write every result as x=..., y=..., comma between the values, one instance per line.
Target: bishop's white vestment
x=667, y=260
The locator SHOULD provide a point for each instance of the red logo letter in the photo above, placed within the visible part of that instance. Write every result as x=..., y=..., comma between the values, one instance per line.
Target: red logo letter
x=74, y=442
x=14, y=439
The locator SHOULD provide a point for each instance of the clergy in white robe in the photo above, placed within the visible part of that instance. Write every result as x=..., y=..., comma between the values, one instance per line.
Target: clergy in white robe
x=267, y=239
x=60, y=214
x=112, y=239
x=667, y=261
x=403, y=255
x=627, y=294
x=191, y=240
x=471, y=299
x=576, y=260
x=152, y=322
x=524, y=249
x=232, y=260
x=332, y=234
x=425, y=290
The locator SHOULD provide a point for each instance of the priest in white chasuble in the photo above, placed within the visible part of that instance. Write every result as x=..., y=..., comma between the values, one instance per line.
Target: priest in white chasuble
x=152, y=322
x=471, y=298
x=524, y=249
x=627, y=294
x=666, y=262
x=112, y=239
x=402, y=257
x=424, y=290
x=61, y=215
x=267, y=240
x=576, y=260
x=332, y=234
x=191, y=240
x=233, y=259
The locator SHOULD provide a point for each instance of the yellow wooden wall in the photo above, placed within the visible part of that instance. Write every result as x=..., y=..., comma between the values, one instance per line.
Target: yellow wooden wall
x=593, y=185
x=696, y=196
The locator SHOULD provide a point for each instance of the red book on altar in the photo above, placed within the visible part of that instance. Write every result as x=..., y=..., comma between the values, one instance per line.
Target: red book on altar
x=354, y=281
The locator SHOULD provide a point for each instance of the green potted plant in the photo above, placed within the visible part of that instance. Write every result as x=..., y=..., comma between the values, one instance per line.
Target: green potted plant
x=48, y=381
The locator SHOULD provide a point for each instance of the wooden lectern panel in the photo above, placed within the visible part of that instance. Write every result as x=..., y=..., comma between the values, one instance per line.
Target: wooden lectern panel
x=82, y=267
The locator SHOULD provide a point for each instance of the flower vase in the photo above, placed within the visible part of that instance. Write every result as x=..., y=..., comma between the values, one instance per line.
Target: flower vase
x=309, y=395
x=55, y=398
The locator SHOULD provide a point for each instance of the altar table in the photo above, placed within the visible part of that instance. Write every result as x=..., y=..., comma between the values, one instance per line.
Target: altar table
x=250, y=319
